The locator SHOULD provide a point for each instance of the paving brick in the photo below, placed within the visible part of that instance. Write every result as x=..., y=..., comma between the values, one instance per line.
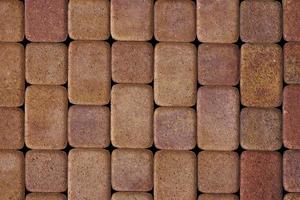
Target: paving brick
x=218, y=21
x=89, y=126
x=175, y=20
x=89, y=19
x=218, y=118
x=132, y=62
x=175, y=74
x=261, y=75
x=261, y=129
x=132, y=116
x=291, y=117
x=11, y=21
x=12, y=174
x=46, y=21
x=89, y=73
x=175, y=128
x=46, y=109
x=260, y=21
x=46, y=63
x=132, y=170
x=218, y=172
x=89, y=174
x=11, y=128
x=292, y=63
x=175, y=175
x=291, y=20
x=261, y=175
x=218, y=197
x=132, y=20
x=45, y=196
x=291, y=170
x=131, y=196
x=46, y=171
x=218, y=64
x=292, y=196
x=12, y=81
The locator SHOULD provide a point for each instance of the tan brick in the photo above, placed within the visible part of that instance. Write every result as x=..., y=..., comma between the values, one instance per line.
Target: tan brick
x=131, y=196
x=45, y=196
x=218, y=197
x=292, y=196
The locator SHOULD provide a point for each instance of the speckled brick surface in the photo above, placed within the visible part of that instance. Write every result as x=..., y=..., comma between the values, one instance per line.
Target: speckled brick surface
x=292, y=63
x=218, y=197
x=291, y=171
x=131, y=196
x=291, y=20
x=46, y=196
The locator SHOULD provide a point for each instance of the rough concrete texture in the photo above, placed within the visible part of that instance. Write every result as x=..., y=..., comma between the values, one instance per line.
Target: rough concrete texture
x=174, y=21
x=132, y=116
x=12, y=81
x=89, y=72
x=218, y=21
x=89, y=174
x=89, y=19
x=132, y=62
x=260, y=129
x=291, y=20
x=218, y=64
x=46, y=171
x=260, y=21
x=132, y=170
x=46, y=63
x=175, y=74
x=46, y=110
x=261, y=75
x=175, y=175
x=131, y=196
x=218, y=197
x=291, y=170
x=261, y=175
x=175, y=128
x=46, y=196
x=291, y=59
x=218, y=118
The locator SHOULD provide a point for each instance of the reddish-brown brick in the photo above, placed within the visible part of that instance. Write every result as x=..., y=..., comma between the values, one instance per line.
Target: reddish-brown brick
x=291, y=170
x=131, y=196
x=291, y=20
x=218, y=197
x=45, y=196
x=292, y=63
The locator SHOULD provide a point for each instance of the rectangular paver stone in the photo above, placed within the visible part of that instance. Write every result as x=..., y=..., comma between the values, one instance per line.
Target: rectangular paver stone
x=131, y=196
x=291, y=59
x=291, y=170
x=218, y=118
x=132, y=116
x=261, y=175
x=175, y=175
x=292, y=196
x=89, y=174
x=46, y=110
x=291, y=20
x=89, y=73
x=261, y=75
x=218, y=197
x=45, y=196
x=175, y=74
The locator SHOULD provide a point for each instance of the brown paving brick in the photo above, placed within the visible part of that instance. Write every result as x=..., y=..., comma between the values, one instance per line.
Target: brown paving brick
x=132, y=20
x=175, y=175
x=89, y=73
x=89, y=19
x=89, y=174
x=292, y=196
x=132, y=170
x=12, y=174
x=261, y=175
x=12, y=81
x=260, y=21
x=218, y=172
x=291, y=117
x=46, y=63
x=89, y=126
x=292, y=63
x=218, y=64
x=46, y=109
x=175, y=74
x=175, y=128
x=132, y=116
x=218, y=118
x=261, y=75
x=11, y=21
x=291, y=20
x=11, y=128
x=132, y=62
x=218, y=21
x=46, y=171
x=291, y=170
x=46, y=21
x=261, y=129
x=175, y=20
x=131, y=196
x=218, y=197
x=46, y=196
